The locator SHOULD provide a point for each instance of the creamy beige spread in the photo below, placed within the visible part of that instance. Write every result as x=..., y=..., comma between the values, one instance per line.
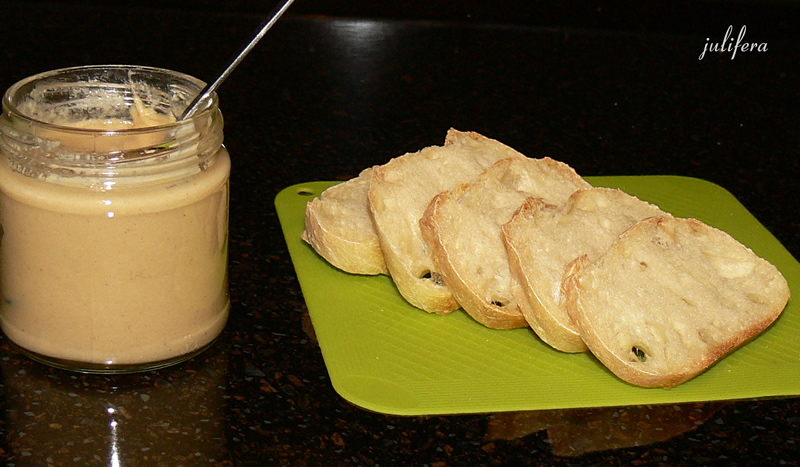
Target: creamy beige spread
x=124, y=276
x=141, y=117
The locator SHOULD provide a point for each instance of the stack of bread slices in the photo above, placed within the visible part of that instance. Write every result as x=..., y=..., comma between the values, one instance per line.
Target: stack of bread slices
x=522, y=242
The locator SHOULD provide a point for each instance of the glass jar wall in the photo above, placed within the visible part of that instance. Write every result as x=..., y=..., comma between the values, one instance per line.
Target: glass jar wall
x=114, y=216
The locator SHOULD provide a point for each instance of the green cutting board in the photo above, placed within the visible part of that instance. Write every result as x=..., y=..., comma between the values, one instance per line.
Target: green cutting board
x=384, y=355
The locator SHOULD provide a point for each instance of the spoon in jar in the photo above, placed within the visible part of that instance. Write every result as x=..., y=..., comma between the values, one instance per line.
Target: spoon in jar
x=194, y=106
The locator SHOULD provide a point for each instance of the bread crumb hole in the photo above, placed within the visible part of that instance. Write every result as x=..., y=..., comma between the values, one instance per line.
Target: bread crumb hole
x=434, y=277
x=639, y=353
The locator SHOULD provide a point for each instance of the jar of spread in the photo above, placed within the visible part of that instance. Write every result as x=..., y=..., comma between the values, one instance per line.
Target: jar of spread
x=113, y=219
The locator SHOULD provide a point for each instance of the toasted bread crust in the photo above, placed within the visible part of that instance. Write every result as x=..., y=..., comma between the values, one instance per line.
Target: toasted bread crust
x=399, y=194
x=682, y=295
x=463, y=228
x=556, y=333
x=542, y=239
x=500, y=313
x=339, y=227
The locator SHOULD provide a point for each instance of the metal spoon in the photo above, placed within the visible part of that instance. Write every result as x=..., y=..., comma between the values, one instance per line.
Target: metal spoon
x=209, y=89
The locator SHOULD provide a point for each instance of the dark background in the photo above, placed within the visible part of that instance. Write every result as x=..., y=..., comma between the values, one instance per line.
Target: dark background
x=693, y=16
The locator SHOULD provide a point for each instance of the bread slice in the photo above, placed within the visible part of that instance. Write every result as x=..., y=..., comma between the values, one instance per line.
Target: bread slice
x=402, y=189
x=670, y=298
x=542, y=239
x=463, y=228
x=339, y=227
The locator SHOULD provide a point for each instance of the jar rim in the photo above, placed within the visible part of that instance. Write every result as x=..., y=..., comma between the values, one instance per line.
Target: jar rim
x=10, y=106
x=43, y=136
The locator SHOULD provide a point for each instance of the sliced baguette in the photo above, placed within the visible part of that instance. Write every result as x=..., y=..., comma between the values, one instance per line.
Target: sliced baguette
x=542, y=239
x=339, y=227
x=398, y=195
x=670, y=298
x=463, y=228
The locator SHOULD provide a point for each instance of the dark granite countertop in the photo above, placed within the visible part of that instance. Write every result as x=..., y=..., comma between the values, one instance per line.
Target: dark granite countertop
x=334, y=89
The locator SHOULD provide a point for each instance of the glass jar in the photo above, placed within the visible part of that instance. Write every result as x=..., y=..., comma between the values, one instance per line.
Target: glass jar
x=114, y=219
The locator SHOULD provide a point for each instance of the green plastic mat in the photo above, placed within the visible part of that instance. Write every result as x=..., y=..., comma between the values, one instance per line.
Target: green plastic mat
x=387, y=356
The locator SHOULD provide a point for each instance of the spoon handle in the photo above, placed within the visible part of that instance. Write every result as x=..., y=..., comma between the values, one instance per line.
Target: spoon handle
x=209, y=89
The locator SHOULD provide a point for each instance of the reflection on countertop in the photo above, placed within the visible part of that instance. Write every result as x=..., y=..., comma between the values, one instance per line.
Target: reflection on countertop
x=578, y=431
x=167, y=417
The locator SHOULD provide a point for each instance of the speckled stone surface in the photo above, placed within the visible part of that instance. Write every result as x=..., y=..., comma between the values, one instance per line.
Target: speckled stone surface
x=326, y=95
